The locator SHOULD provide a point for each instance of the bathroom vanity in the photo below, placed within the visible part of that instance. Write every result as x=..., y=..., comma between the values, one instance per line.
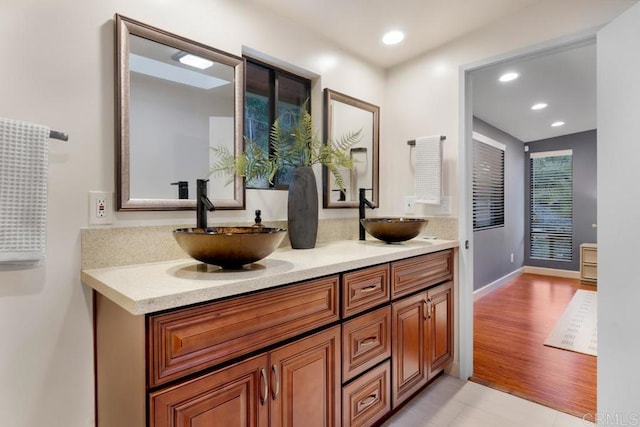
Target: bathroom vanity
x=339, y=335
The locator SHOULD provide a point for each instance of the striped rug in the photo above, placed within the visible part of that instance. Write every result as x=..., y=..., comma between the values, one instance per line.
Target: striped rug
x=577, y=328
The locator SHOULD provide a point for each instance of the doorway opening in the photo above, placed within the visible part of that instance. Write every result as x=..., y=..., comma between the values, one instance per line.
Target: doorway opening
x=499, y=255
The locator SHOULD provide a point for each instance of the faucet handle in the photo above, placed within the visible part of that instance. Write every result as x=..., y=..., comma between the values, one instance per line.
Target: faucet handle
x=202, y=185
x=183, y=189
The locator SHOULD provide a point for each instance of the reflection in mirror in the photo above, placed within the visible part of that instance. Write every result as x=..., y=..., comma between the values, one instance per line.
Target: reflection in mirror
x=343, y=113
x=176, y=99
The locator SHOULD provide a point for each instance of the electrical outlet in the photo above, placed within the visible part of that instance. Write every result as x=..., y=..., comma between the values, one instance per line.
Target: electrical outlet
x=100, y=209
x=409, y=204
x=511, y=258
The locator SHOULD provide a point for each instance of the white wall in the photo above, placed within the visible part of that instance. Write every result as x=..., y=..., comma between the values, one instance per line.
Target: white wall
x=57, y=69
x=618, y=229
x=422, y=96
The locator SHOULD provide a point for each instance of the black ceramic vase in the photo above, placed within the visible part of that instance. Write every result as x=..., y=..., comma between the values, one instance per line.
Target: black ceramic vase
x=302, y=209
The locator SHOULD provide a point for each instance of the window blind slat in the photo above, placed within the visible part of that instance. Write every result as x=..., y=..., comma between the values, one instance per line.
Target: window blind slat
x=488, y=185
x=551, y=206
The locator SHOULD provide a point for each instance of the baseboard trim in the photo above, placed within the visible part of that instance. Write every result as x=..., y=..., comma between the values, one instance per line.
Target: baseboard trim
x=486, y=289
x=567, y=274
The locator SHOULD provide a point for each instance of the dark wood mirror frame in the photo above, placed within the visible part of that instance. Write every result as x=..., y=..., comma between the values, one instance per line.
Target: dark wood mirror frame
x=124, y=28
x=331, y=96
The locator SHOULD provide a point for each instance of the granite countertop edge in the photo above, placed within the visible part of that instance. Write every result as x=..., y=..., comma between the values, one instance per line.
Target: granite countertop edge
x=152, y=287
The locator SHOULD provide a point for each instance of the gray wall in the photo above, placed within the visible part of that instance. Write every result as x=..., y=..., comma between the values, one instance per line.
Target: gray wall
x=583, y=145
x=493, y=247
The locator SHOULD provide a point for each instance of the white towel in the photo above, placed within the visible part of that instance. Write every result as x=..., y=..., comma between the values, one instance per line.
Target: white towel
x=24, y=154
x=429, y=170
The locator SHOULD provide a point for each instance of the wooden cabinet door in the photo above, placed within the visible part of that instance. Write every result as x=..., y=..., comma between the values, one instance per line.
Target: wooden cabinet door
x=440, y=320
x=410, y=345
x=236, y=396
x=305, y=382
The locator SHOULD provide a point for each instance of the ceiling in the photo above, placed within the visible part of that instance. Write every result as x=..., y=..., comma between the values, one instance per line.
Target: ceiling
x=358, y=25
x=564, y=80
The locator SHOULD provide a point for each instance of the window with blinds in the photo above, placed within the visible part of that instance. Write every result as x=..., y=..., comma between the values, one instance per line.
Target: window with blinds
x=551, y=205
x=488, y=183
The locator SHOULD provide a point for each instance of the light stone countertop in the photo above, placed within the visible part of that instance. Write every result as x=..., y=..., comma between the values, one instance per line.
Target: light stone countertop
x=147, y=288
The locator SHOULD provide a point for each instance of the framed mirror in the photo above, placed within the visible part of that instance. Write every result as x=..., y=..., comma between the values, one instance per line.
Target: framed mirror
x=342, y=114
x=176, y=99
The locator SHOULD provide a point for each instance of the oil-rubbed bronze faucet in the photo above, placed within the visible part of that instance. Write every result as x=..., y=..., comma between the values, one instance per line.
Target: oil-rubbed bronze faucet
x=203, y=204
x=361, y=206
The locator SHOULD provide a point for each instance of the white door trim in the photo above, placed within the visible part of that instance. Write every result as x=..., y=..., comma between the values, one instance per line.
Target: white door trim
x=465, y=165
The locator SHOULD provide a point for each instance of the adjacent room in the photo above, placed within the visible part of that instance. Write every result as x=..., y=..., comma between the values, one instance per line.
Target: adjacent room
x=535, y=219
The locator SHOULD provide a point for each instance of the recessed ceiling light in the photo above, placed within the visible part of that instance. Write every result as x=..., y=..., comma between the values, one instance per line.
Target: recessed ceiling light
x=539, y=106
x=173, y=73
x=195, y=61
x=393, y=37
x=557, y=124
x=507, y=77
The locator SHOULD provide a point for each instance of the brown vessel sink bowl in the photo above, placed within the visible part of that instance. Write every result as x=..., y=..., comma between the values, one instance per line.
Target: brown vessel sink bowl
x=229, y=247
x=393, y=230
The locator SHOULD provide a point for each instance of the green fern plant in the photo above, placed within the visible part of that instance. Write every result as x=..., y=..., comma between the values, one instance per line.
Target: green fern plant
x=299, y=146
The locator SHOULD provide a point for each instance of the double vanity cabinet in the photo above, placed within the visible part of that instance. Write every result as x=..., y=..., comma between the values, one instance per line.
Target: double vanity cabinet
x=343, y=349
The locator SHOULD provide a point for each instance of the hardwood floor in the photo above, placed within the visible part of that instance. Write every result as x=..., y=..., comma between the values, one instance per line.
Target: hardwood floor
x=510, y=326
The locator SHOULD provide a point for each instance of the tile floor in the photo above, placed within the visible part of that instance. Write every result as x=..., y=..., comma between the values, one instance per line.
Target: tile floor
x=452, y=402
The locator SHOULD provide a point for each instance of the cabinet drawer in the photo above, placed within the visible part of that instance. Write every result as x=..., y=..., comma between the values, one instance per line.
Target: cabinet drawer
x=367, y=399
x=590, y=255
x=589, y=272
x=188, y=340
x=366, y=341
x=417, y=273
x=364, y=289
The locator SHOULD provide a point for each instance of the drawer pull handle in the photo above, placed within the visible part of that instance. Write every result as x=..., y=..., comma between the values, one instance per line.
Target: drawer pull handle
x=429, y=308
x=265, y=390
x=369, y=288
x=276, y=382
x=425, y=309
x=367, y=401
x=368, y=341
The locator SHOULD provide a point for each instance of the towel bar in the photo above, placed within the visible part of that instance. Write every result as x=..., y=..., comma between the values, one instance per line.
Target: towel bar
x=412, y=142
x=58, y=135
